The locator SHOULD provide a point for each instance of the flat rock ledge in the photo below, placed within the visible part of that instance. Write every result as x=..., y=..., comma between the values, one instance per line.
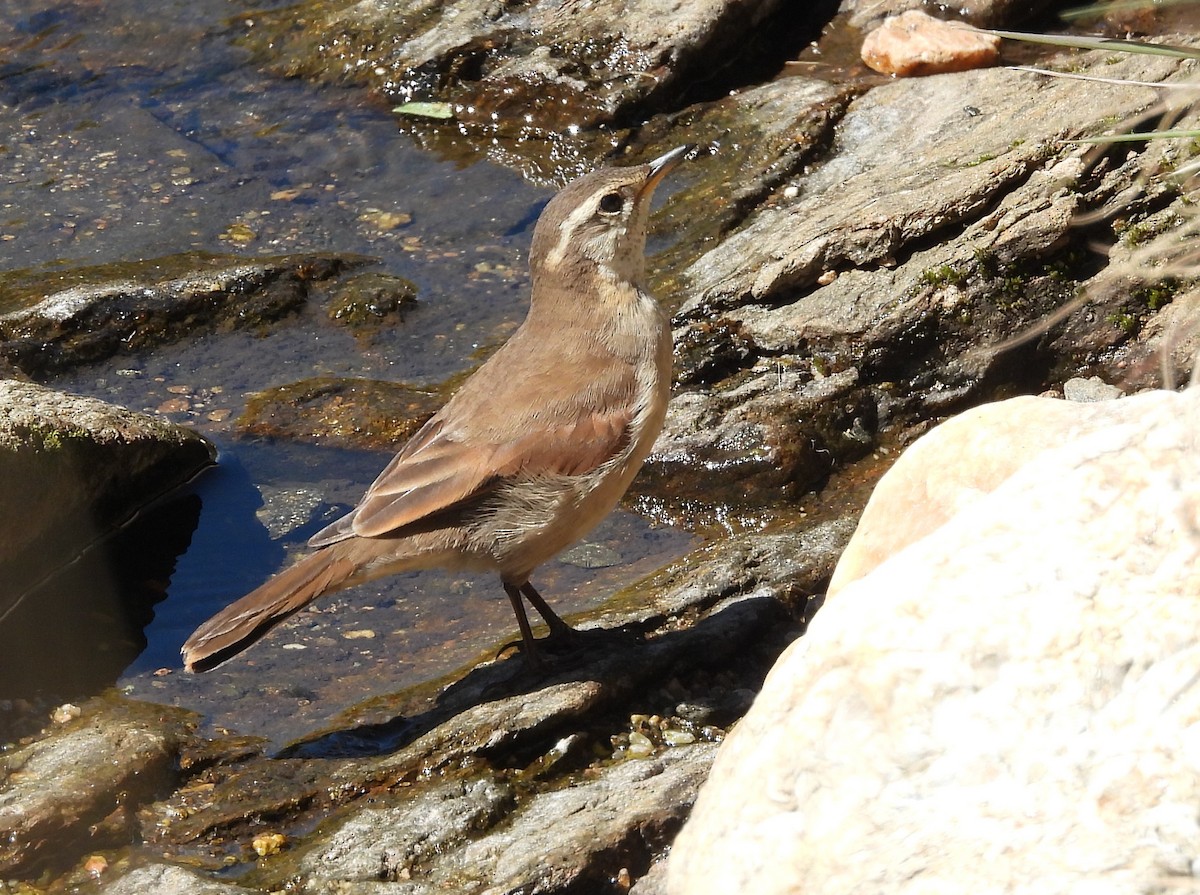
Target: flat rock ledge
x=878, y=287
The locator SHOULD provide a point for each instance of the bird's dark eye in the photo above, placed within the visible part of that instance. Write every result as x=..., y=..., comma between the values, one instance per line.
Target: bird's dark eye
x=611, y=203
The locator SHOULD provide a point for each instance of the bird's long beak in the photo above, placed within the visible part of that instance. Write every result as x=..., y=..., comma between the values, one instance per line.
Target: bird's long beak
x=662, y=166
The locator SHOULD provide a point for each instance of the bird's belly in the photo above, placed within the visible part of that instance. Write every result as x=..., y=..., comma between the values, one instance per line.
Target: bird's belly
x=529, y=522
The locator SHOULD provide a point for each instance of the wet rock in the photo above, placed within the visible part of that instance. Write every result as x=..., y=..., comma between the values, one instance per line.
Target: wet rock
x=168, y=879
x=914, y=43
x=1022, y=675
x=51, y=322
x=620, y=817
x=77, y=788
x=787, y=565
x=867, y=14
x=865, y=295
x=370, y=298
x=357, y=413
x=387, y=843
x=547, y=68
x=772, y=437
x=75, y=469
x=286, y=509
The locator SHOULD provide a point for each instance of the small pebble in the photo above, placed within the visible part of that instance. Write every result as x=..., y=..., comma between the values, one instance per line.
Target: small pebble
x=1089, y=390
x=174, y=405
x=65, y=712
x=268, y=844
x=239, y=234
x=385, y=220
x=674, y=737
x=640, y=744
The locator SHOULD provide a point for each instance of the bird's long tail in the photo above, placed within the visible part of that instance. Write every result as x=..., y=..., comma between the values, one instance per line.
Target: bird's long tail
x=238, y=625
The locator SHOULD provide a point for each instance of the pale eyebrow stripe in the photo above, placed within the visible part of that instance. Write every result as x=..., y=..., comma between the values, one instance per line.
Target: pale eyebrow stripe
x=567, y=232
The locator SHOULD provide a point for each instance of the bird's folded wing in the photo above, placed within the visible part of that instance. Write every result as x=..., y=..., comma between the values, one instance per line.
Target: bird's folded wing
x=439, y=473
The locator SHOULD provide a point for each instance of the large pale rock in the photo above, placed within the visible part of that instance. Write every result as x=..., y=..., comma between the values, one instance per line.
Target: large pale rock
x=1009, y=703
x=968, y=458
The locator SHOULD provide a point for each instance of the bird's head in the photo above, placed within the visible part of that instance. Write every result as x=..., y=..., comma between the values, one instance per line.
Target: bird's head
x=597, y=224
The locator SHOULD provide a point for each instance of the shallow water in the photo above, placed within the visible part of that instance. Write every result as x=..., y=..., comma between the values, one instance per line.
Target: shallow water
x=132, y=131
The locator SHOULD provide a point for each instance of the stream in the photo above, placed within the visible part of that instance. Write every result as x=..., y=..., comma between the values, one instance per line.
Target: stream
x=147, y=133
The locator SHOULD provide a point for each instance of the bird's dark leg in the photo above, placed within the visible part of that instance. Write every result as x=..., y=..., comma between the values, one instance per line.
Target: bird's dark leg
x=514, y=597
x=558, y=628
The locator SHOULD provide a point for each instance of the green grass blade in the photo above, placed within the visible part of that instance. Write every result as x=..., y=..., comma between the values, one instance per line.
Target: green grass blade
x=1098, y=43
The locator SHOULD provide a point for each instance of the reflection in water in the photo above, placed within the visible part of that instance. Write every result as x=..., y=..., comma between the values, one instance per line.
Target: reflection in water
x=231, y=552
x=73, y=632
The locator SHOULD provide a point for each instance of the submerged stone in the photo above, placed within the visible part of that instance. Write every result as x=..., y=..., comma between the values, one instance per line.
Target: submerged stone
x=361, y=413
x=369, y=298
x=55, y=321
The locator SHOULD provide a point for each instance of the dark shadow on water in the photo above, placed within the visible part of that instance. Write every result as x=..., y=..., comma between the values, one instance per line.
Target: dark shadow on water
x=584, y=658
x=743, y=639
x=72, y=633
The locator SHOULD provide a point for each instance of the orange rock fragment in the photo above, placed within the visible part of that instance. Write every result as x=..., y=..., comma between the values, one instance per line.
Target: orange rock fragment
x=914, y=43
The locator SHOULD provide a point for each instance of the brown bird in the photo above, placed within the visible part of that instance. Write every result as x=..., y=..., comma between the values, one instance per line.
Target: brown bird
x=534, y=449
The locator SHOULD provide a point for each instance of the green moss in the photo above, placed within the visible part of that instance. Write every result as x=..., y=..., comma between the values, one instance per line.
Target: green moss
x=48, y=439
x=981, y=159
x=1127, y=323
x=1142, y=232
x=945, y=275
x=1157, y=296
x=986, y=263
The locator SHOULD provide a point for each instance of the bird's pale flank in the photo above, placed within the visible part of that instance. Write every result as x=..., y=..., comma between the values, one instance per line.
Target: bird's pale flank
x=534, y=449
